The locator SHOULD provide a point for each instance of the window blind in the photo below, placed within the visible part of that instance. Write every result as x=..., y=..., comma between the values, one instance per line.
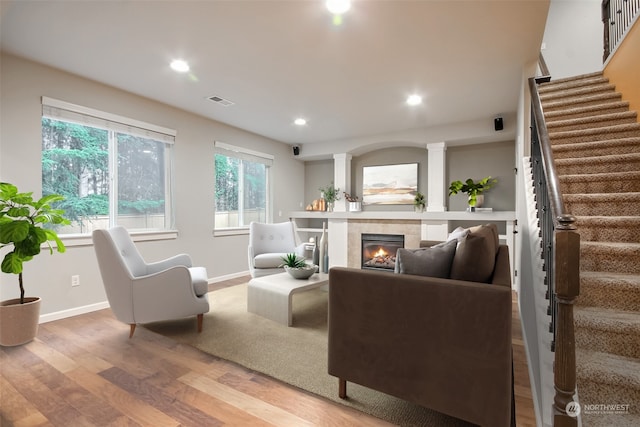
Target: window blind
x=243, y=153
x=61, y=110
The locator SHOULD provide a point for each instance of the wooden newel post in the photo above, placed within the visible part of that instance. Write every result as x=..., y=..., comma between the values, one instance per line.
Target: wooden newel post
x=567, y=288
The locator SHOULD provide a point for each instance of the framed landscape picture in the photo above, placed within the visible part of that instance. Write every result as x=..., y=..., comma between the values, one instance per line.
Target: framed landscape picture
x=390, y=184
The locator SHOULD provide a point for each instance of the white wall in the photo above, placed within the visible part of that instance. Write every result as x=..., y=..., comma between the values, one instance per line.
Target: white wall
x=573, y=38
x=23, y=83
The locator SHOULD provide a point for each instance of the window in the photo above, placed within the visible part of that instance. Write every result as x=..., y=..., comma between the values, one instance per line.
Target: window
x=241, y=187
x=111, y=170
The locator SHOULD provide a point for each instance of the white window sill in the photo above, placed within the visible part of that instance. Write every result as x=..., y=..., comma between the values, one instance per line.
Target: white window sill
x=231, y=232
x=71, y=240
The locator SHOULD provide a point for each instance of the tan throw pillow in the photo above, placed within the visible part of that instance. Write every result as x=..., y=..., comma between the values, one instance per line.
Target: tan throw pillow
x=431, y=262
x=475, y=256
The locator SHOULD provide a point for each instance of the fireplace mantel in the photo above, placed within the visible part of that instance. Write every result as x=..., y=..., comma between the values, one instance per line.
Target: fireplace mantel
x=342, y=227
x=408, y=215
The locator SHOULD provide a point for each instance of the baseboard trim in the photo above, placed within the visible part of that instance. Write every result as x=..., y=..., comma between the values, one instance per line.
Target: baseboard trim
x=50, y=317
x=76, y=311
x=228, y=277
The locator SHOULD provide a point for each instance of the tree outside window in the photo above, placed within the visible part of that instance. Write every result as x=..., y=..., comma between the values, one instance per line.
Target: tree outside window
x=107, y=178
x=241, y=192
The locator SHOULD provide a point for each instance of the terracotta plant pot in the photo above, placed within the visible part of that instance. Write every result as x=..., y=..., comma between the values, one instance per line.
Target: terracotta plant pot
x=19, y=322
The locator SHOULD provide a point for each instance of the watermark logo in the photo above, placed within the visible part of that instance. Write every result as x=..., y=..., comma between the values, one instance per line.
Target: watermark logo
x=606, y=408
x=572, y=409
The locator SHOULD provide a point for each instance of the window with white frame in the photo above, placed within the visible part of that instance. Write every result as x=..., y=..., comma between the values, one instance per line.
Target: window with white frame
x=241, y=186
x=111, y=170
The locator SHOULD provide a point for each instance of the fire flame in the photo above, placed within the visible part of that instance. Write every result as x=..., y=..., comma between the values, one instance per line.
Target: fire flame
x=380, y=253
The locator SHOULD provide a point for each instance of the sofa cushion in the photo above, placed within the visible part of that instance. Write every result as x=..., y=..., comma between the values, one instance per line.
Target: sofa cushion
x=475, y=256
x=269, y=260
x=432, y=262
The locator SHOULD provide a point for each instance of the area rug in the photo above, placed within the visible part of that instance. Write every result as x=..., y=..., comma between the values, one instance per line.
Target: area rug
x=295, y=355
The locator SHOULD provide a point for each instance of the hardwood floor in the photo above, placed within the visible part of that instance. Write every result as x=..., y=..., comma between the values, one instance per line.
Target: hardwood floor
x=84, y=371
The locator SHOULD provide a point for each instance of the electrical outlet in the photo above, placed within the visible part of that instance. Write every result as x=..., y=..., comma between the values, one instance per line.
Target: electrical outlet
x=75, y=280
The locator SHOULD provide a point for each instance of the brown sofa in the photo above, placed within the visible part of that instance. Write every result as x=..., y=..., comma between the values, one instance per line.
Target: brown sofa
x=441, y=343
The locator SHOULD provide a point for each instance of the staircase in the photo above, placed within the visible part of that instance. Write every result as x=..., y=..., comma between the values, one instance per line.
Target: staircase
x=596, y=144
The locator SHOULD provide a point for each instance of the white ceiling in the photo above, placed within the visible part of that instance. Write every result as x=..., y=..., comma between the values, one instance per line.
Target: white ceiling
x=278, y=60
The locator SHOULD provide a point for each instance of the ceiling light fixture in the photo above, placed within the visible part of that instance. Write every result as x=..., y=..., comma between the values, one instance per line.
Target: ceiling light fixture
x=414, y=100
x=338, y=7
x=179, y=65
x=300, y=121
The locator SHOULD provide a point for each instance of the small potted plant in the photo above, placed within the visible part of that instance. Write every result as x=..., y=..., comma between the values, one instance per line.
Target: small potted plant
x=22, y=222
x=297, y=267
x=419, y=202
x=330, y=194
x=473, y=189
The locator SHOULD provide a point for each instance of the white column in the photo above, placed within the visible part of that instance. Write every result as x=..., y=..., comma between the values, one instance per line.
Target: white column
x=342, y=179
x=436, y=174
x=338, y=234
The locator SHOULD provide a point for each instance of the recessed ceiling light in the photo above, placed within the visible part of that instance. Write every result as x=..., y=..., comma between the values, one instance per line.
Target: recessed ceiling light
x=338, y=7
x=179, y=65
x=300, y=121
x=414, y=100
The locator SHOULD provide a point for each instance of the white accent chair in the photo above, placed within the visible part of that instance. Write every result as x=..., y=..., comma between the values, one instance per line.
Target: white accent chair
x=140, y=292
x=268, y=243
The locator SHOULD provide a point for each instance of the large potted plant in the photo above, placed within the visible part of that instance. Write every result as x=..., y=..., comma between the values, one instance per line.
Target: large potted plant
x=473, y=189
x=22, y=231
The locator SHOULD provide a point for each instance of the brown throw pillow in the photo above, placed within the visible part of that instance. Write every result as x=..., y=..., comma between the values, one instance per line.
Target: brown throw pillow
x=475, y=257
x=432, y=262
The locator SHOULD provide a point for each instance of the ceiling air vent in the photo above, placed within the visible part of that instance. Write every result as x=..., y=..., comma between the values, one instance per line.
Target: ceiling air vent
x=220, y=101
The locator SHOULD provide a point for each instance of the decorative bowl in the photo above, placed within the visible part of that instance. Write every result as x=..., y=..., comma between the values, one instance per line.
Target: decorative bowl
x=302, y=272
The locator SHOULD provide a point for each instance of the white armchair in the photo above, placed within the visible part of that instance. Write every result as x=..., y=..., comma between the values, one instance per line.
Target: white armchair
x=268, y=243
x=140, y=292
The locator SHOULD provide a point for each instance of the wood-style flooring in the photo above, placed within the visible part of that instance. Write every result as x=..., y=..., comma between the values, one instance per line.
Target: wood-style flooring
x=85, y=371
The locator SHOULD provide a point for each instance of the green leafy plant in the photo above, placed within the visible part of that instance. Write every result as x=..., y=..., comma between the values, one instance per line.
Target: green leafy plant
x=419, y=200
x=22, y=222
x=472, y=188
x=293, y=261
x=330, y=193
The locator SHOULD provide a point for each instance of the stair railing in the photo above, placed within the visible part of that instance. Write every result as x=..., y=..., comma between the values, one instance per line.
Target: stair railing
x=617, y=17
x=561, y=255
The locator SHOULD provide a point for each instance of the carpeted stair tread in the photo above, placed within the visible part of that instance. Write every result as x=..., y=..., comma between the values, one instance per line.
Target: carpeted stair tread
x=602, y=204
x=607, y=378
x=599, y=164
x=597, y=148
x=596, y=99
x=587, y=111
x=578, y=78
x=608, y=368
x=576, y=91
x=614, y=257
x=609, y=320
x=606, y=182
x=592, y=122
x=627, y=130
x=608, y=420
x=608, y=330
x=609, y=290
x=556, y=85
x=624, y=229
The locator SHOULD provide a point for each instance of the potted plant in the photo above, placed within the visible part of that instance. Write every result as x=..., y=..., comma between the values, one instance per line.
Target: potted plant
x=473, y=189
x=22, y=222
x=419, y=202
x=297, y=267
x=330, y=194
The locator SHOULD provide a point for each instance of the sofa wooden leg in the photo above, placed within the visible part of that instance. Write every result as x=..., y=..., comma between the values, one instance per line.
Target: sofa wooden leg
x=200, y=318
x=132, y=329
x=342, y=388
